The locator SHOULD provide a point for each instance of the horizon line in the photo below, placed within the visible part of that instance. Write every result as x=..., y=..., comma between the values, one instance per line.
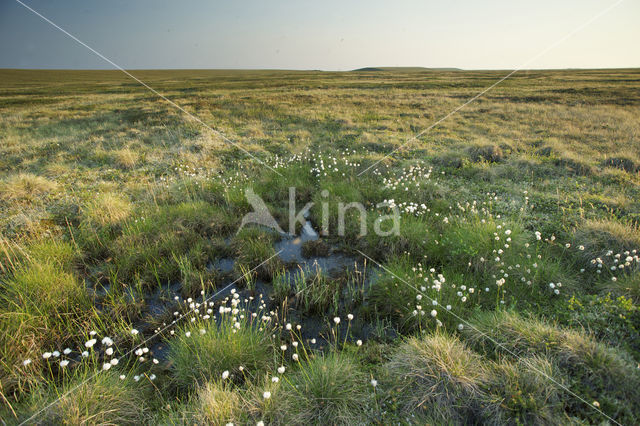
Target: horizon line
x=362, y=69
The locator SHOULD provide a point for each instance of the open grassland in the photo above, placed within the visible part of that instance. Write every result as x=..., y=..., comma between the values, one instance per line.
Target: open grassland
x=510, y=295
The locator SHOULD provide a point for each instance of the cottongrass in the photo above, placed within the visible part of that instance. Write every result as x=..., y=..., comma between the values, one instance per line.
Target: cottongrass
x=232, y=345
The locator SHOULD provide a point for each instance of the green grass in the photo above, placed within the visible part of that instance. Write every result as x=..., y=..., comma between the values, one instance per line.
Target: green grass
x=316, y=293
x=528, y=391
x=244, y=352
x=44, y=304
x=219, y=404
x=594, y=371
x=101, y=398
x=152, y=246
x=254, y=249
x=282, y=286
x=326, y=390
x=518, y=213
x=440, y=376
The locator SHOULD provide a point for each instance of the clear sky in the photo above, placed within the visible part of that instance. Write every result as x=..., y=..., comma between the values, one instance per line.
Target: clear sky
x=319, y=34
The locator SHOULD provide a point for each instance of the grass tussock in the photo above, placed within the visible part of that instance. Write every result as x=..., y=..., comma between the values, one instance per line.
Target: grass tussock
x=198, y=357
x=125, y=158
x=528, y=391
x=282, y=286
x=489, y=153
x=107, y=209
x=316, y=292
x=25, y=187
x=152, y=246
x=601, y=236
x=317, y=248
x=572, y=163
x=454, y=159
x=254, y=249
x=328, y=389
x=100, y=398
x=220, y=404
x=622, y=163
x=437, y=374
x=627, y=286
x=591, y=369
x=439, y=377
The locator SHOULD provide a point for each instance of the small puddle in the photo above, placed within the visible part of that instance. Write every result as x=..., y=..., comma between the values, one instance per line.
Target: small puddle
x=291, y=253
x=291, y=249
x=161, y=299
x=224, y=265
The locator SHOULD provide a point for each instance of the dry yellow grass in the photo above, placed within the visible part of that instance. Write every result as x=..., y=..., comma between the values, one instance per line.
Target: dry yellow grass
x=125, y=158
x=24, y=187
x=219, y=404
x=107, y=209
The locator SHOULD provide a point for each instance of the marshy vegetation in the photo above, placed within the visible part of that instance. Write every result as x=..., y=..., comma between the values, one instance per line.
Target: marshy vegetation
x=509, y=296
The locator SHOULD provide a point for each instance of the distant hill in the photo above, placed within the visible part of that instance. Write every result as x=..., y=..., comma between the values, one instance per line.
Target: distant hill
x=406, y=69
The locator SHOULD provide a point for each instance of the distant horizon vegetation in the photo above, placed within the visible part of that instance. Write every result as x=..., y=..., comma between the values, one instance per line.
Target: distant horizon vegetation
x=363, y=69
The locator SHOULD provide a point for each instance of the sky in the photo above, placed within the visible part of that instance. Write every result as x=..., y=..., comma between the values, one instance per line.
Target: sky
x=326, y=35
